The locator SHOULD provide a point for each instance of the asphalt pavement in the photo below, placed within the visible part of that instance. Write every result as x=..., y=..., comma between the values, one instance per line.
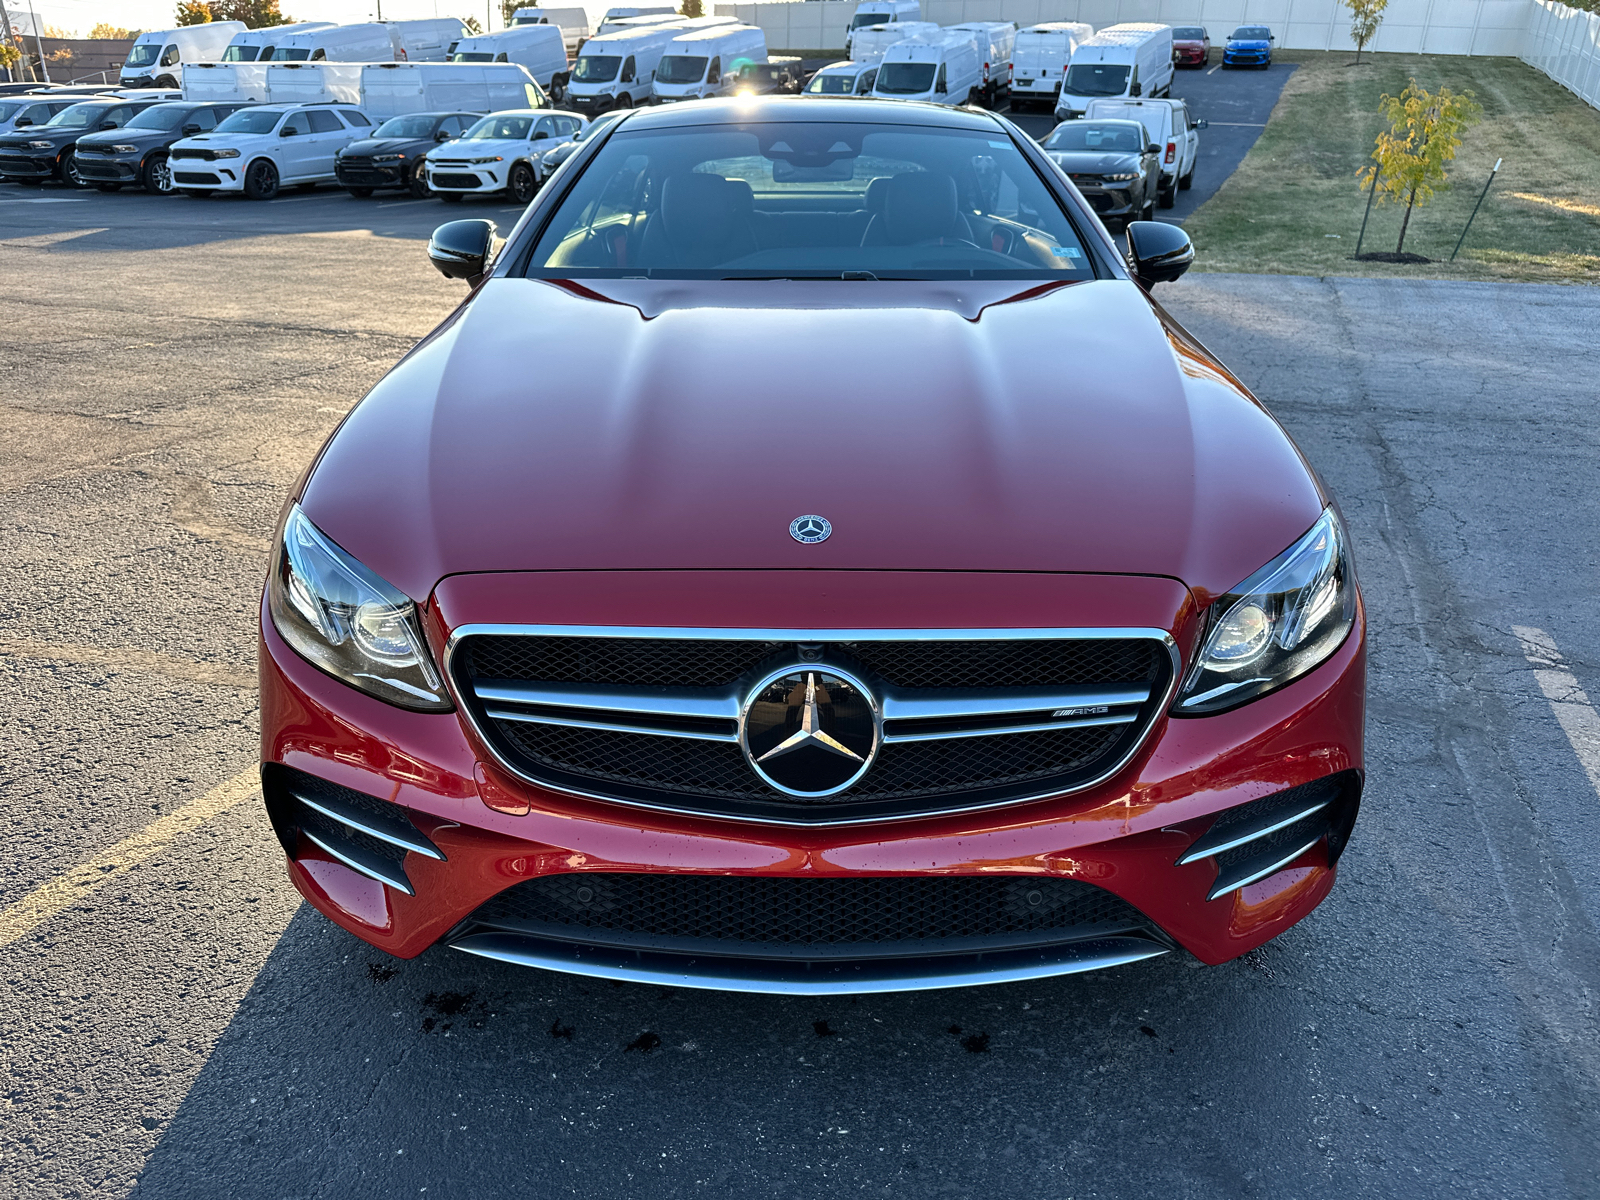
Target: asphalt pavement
x=175, y=1023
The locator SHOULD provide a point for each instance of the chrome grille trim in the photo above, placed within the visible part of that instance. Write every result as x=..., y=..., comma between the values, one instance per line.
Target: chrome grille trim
x=713, y=700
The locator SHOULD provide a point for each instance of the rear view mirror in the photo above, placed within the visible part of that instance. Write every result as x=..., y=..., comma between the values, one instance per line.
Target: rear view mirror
x=462, y=249
x=1158, y=252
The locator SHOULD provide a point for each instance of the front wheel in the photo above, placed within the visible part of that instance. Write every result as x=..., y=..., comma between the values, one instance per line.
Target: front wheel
x=624, y=101
x=520, y=184
x=69, y=171
x=157, y=175
x=167, y=81
x=1168, y=196
x=261, y=180
x=419, y=182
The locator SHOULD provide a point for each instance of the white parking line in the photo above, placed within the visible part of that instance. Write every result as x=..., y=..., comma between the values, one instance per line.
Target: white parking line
x=50, y=200
x=1240, y=124
x=1214, y=69
x=1577, y=716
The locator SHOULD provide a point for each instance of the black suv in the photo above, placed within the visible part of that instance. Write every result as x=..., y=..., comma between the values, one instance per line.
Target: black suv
x=392, y=156
x=775, y=77
x=1115, y=165
x=48, y=151
x=137, y=153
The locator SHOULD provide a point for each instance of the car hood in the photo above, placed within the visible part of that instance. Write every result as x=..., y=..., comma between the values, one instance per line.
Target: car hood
x=1093, y=162
x=106, y=137
x=38, y=133
x=389, y=145
x=684, y=424
x=1248, y=44
x=478, y=148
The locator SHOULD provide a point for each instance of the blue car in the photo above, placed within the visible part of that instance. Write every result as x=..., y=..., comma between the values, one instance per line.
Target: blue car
x=1249, y=46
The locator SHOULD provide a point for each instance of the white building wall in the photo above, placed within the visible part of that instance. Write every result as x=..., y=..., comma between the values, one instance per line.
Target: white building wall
x=1564, y=43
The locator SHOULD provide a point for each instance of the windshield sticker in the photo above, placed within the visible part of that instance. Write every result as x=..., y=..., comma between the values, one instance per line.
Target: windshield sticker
x=1066, y=252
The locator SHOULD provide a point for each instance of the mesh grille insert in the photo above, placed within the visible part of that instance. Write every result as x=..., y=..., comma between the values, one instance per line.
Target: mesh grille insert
x=809, y=918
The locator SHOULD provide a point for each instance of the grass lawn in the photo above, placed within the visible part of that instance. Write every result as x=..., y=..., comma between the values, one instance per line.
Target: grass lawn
x=1298, y=184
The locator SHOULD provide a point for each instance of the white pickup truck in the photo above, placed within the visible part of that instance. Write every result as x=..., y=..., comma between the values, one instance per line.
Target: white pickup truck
x=1170, y=126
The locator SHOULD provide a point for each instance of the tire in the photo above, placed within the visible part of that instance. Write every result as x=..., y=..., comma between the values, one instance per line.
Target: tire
x=1185, y=182
x=1167, y=196
x=68, y=171
x=360, y=193
x=261, y=180
x=196, y=193
x=418, y=186
x=624, y=101
x=156, y=175
x=108, y=187
x=166, y=81
x=520, y=183
x=449, y=197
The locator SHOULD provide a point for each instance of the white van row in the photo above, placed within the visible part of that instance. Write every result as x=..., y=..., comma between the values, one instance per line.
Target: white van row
x=381, y=90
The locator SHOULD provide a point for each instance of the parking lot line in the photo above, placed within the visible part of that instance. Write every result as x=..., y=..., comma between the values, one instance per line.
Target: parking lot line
x=66, y=889
x=1576, y=715
x=1240, y=124
x=1214, y=69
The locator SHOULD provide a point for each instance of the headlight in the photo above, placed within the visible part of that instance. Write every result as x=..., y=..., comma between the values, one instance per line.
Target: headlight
x=40, y=145
x=1284, y=620
x=387, y=157
x=224, y=154
x=1121, y=177
x=124, y=149
x=345, y=620
x=481, y=161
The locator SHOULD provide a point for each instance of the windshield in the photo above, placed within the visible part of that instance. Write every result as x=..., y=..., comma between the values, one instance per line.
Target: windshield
x=1189, y=33
x=162, y=116
x=287, y=54
x=810, y=201
x=681, y=68
x=79, y=116
x=831, y=85
x=525, y=21
x=1109, y=137
x=905, y=79
x=862, y=20
x=142, y=56
x=1251, y=33
x=1096, y=79
x=596, y=68
x=510, y=128
x=241, y=53
x=405, y=127
x=472, y=56
x=7, y=111
x=249, y=121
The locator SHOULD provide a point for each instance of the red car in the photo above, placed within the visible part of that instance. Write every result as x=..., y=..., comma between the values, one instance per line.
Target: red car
x=809, y=561
x=1191, y=46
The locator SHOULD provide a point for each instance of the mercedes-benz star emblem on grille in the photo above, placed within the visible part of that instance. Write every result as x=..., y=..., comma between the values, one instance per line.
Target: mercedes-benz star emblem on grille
x=810, y=529
x=808, y=732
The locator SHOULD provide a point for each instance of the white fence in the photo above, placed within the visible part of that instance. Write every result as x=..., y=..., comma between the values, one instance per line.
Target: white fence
x=1561, y=42
x=1565, y=45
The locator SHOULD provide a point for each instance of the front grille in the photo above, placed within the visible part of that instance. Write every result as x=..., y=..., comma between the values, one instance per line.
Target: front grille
x=365, y=176
x=809, y=919
x=22, y=166
x=104, y=170
x=193, y=152
x=201, y=177
x=516, y=685
x=80, y=150
x=450, y=180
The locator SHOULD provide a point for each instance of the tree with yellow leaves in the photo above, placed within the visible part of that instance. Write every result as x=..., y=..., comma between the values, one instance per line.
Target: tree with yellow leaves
x=1422, y=139
x=112, y=33
x=194, y=12
x=1365, y=17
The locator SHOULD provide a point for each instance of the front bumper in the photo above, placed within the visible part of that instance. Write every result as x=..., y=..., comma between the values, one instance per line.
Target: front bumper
x=486, y=832
x=222, y=175
x=1246, y=58
x=109, y=168
x=470, y=178
x=1108, y=200
x=590, y=105
x=28, y=165
x=372, y=175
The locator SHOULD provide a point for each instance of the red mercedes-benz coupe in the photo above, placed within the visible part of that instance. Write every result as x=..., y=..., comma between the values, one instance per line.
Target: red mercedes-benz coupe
x=809, y=561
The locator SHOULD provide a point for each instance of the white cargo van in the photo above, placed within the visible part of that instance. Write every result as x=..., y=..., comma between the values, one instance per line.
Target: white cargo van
x=256, y=45
x=1121, y=60
x=1169, y=125
x=157, y=59
x=1039, y=61
x=314, y=83
x=996, y=41
x=573, y=23
x=648, y=21
x=868, y=43
x=427, y=40
x=843, y=79
x=390, y=89
x=941, y=68
x=226, y=82
x=692, y=66
x=371, y=42
x=622, y=11
x=879, y=12
x=539, y=48
x=617, y=70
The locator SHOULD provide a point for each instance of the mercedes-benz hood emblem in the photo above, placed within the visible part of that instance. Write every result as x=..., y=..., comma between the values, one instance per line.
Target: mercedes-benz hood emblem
x=810, y=529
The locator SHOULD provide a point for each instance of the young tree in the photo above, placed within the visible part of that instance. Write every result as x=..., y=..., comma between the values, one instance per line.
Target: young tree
x=692, y=8
x=1365, y=17
x=10, y=56
x=256, y=14
x=1422, y=139
x=471, y=24
x=508, y=9
x=194, y=12
x=113, y=33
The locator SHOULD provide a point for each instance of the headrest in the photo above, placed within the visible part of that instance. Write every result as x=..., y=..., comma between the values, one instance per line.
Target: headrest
x=918, y=206
x=697, y=208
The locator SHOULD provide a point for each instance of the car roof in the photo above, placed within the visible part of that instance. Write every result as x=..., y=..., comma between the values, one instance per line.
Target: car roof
x=756, y=109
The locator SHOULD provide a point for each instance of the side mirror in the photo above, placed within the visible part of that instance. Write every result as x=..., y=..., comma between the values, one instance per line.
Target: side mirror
x=444, y=135
x=540, y=135
x=462, y=249
x=24, y=121
x=1157, y=252
x=291, y=131
x=1202, y=123
x=1270, y=38
x=108, y=125
x=1152, y=148
x=190, y=130
x=1136, y=90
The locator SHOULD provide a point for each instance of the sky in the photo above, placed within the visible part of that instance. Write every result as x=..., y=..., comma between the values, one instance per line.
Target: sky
x=79, y=16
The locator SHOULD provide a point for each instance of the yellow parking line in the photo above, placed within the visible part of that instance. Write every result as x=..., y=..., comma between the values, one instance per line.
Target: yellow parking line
x=67, y=889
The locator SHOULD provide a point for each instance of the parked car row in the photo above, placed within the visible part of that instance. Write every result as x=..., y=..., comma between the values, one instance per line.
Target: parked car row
x=1246, y=46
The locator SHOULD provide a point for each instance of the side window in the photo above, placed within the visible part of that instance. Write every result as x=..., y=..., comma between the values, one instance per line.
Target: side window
x=571, y=125
x=941, y=85
x=628, y=69
x=714, y=71
x=867, y=80
x=206, y=118
x=355, y=117
x=318, y=54
x=450, y=127
x=295, y=123
x=169, y=56
x=117, y=117
x=38, y=114
x=543, y=127
x=501, y=57
x=323, y=121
